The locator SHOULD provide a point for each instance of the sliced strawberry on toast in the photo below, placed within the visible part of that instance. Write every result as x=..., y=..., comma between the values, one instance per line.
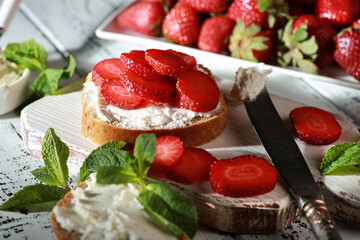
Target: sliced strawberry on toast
x=193, y=166
x=315, y=126
x=135, y=61
x=158, y=90
x=168, y=151
x=189, y=60
x=197, y=91
x=116, y=94
x=165, y=63
x=243, y=176
x=107, y=69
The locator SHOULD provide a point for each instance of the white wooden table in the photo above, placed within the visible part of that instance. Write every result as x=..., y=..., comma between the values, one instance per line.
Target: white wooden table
x=67, y=26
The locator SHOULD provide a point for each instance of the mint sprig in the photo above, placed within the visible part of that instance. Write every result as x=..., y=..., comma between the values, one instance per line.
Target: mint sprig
x=33, y=56
x=342, y=159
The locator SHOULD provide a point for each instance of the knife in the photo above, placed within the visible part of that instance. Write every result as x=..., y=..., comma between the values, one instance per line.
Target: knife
x=290, y=163
x=8, y=9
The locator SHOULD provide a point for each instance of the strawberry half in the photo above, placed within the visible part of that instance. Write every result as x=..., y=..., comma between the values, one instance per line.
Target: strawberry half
x=243, y=176
x=135, y=61
x=189, y=60
x=315, y=126
x=165, y=63
x=107, y=69
x=197, y=92
x=158, y=90
x=168, y=151
x=116, y=94
x=193, y=166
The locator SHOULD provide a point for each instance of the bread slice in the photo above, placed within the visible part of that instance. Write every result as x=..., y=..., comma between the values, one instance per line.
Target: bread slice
x=200, y=131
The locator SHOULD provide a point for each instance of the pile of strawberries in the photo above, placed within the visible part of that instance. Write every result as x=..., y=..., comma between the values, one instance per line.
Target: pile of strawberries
x=308, y=34
x=155, y=76
x=242, y=176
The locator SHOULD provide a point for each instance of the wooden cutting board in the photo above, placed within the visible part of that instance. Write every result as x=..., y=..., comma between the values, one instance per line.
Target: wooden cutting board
x=265, y=213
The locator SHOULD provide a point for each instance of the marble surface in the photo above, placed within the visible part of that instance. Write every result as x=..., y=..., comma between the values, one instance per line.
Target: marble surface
x=72, y=25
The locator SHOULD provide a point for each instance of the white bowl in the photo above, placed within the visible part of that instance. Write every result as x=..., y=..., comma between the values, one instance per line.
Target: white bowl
x=12, y=95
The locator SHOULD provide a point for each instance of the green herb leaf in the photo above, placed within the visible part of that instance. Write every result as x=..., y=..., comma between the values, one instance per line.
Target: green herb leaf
x=47, y=82
x=169, y=210
x=43, y=175
x=103, y=157
x=55, y=154
x=69, y=70
x=342, y=159
x=27, y=54
x=72, y=87
x=144, y=151
x=34, y=198
x=115, y=175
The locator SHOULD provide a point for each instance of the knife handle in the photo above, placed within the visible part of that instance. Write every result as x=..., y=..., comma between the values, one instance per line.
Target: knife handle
x=320, y=219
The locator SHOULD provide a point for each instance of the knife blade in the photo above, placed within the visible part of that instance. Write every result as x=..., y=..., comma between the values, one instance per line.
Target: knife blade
x=8, y=9
x=291, y=165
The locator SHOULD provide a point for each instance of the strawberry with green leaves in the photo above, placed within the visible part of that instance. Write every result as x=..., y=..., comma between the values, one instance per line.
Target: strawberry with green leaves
x=208, y=6
x=182, y=25
x=347, y=51
x=307, y=42
x=214, y=34
x=338, y=13
x=250, y=43
x=144, y=17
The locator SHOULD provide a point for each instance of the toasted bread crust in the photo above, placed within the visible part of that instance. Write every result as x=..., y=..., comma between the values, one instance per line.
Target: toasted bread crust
x=200, y=132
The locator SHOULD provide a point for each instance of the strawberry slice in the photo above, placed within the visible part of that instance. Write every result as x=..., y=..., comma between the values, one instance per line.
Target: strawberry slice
x=192, y=167
x=189, y=60
x=135, y=61
x=107, y=69
x=315, y=126
x=243, y=176
x=158, y=90
x=165, y=63
x=168, y=151
x=197, y=91
x=116, y=94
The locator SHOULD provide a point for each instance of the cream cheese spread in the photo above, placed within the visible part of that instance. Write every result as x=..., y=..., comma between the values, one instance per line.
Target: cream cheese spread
x=151, y=117
x=107, y=212
x=249, y=82
x=7, y=74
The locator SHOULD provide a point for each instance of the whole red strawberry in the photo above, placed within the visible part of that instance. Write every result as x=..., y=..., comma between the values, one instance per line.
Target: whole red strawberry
x=250, y=43
x=182, y=24
x=143, y=17
x=214, y=34
x=347, y=51
x=208, y=6
x=338, y=13
x=248, y=11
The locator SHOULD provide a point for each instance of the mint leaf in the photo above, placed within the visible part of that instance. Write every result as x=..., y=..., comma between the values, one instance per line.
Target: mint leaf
x=342, y=159
x=55, y=154
x=169, y=210
x=144, y=152
x=27, y=54
x=43, y=175
x=115, y=175
x=47, y=82
x=102, y=157
x=34, y=198
x=69, y=70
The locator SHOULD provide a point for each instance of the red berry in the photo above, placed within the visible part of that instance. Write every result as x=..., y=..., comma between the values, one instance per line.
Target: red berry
x=158, y=90
x=243, y=176
x=116, y=94
x=143, y=17
x=197, y=91
x=107, y=69
x=208, y=6
x=165, y=63
x=137, y=63
x=248, y=11
x=193, y=166
x=315, y=126
x=182, y=25
x=189, y=60
x=338, y=13
x=168, y=151
x=214, y=34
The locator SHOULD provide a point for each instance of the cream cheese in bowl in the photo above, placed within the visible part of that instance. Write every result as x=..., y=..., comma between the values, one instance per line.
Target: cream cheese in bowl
x=13, y=86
